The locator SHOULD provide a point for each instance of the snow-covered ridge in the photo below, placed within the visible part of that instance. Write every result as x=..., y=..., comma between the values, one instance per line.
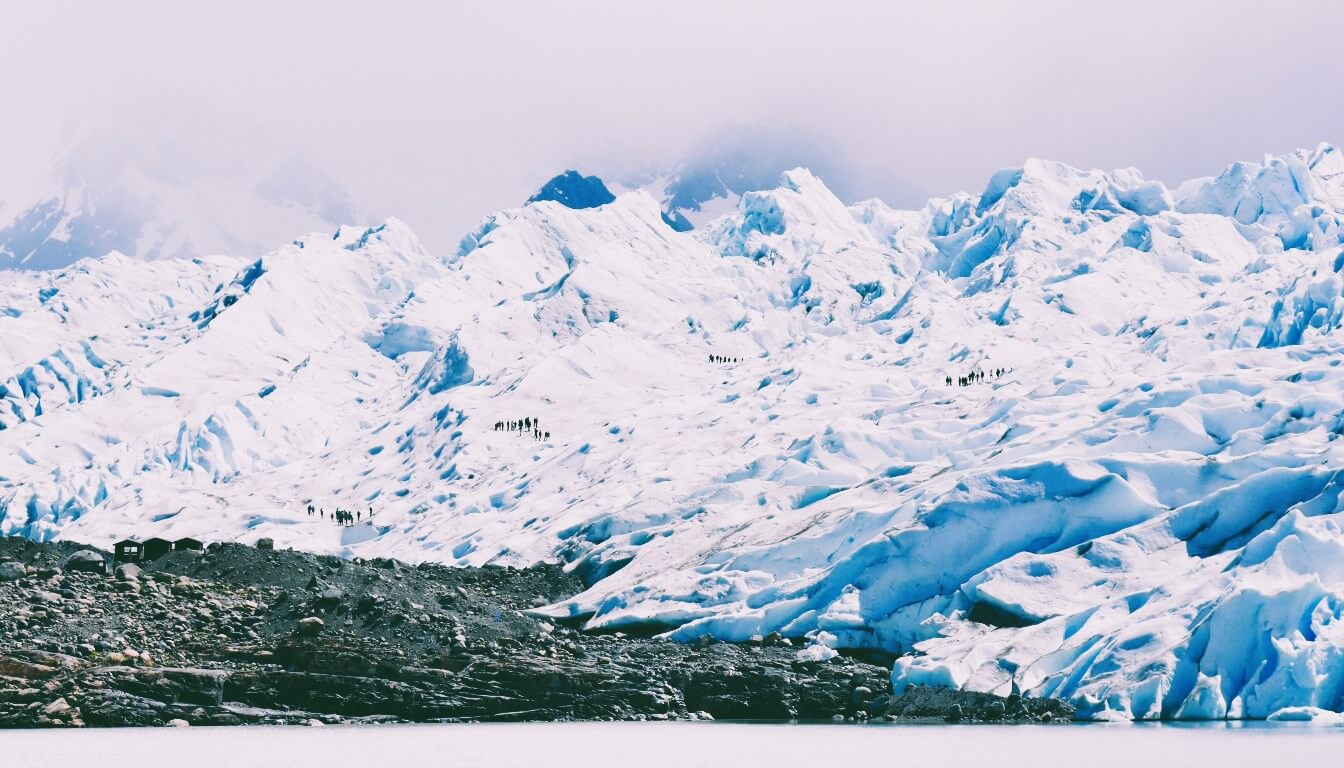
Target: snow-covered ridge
x=1141, y=515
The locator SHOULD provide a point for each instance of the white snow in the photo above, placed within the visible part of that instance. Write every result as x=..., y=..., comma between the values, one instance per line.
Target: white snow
x=1142, y=515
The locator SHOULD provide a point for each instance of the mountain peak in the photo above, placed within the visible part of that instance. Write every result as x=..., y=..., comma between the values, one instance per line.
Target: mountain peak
x=574, y=190
x=799, y=179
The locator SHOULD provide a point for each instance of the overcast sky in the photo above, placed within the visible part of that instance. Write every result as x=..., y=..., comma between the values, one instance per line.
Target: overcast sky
x=440, y=112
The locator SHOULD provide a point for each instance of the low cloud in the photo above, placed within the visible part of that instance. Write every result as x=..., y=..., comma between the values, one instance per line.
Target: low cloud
x=439, y=113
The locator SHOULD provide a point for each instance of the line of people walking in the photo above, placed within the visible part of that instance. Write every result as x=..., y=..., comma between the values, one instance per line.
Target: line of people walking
x=343, y=517
x=723, y=359
x=975, y=377
x=522, y=426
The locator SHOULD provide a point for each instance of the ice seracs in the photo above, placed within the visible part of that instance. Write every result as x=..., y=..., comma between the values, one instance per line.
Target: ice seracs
x=1141, y=514
x=1297, y=197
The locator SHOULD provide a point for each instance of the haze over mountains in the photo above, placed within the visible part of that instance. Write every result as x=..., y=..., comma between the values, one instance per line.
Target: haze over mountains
x=182, y=186
x=168, y=194
x=1141, y=515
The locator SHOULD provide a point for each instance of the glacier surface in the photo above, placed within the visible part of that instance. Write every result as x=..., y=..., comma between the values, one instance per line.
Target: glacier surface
x=1141, y=515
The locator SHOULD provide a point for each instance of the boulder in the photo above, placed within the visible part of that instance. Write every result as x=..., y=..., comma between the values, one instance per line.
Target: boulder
x=57, y=707
x=128, y=572
x=311, y=625
x=266, y=543
x=12, y=571
x=328, y=594
x=85, y=560
x=27, y=670
x=187, y=685
x=330, y=597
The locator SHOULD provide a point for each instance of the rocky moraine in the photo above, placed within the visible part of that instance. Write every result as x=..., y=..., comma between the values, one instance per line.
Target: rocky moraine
x=240, y=635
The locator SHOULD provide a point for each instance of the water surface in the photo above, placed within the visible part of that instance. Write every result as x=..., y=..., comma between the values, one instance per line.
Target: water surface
x=685, y=745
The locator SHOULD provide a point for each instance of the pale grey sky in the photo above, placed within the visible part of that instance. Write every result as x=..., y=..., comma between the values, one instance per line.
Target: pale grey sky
x=440, y=112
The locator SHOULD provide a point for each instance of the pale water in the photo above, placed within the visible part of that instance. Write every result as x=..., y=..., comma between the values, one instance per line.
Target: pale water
x=684, y=745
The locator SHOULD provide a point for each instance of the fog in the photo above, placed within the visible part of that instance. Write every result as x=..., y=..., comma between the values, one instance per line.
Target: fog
x=440, y=112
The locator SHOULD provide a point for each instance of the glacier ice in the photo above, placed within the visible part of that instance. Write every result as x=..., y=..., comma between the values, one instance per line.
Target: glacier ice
x=1142, y=514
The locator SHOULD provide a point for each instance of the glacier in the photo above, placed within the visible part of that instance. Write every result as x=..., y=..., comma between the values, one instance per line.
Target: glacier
x=1141, y=515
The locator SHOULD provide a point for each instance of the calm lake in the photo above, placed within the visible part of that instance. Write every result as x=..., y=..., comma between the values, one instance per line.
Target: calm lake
x=684, y=745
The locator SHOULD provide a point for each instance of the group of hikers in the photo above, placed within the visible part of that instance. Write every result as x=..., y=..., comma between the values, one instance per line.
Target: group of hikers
x=341, y=516
x=974, y=377
x=523, y=425
x=722, y=359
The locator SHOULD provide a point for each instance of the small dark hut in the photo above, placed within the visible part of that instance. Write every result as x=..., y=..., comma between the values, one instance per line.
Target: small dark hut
x=155, y=548
x=188, y=543
x=127, y=551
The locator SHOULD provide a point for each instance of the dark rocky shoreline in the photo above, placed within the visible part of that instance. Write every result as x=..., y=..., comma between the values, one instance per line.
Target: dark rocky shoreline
x=238, y=635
